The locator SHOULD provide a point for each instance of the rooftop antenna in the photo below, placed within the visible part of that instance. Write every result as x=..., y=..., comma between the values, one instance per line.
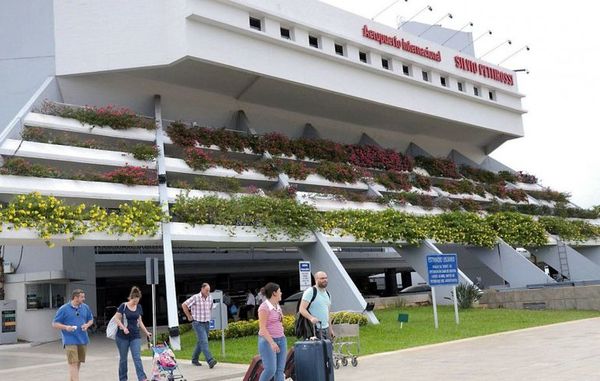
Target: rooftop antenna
x=496, y=47
x=457, y=32
x=515, y=53
x=489, y=32
x=386, y=8
x=427, y=8
x=449, y=15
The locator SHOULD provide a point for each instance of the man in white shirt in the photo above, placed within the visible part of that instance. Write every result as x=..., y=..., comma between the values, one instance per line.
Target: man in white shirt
x=250, y=304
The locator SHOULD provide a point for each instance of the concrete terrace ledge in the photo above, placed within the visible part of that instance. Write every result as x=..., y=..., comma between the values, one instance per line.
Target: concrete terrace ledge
x=63, y=153
x=71, y=125
x=197, y=235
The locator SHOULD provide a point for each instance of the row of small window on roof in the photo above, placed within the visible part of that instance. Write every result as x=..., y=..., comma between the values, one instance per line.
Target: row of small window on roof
x=386, y=63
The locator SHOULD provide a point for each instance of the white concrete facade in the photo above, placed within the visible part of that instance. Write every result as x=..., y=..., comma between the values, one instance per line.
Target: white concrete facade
x=190, y=43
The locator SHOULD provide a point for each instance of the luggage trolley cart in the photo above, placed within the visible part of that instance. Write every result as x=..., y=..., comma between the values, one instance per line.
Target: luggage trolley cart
x=346, y=343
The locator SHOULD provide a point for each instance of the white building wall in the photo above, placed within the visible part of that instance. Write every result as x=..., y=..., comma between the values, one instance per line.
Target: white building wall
x=93, y=37
x=26, y=52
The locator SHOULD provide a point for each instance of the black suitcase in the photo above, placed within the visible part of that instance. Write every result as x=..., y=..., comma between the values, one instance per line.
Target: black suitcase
x=313, y=360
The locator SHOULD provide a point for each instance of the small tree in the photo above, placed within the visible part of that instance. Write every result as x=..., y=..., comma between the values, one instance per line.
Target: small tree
x=467, y=294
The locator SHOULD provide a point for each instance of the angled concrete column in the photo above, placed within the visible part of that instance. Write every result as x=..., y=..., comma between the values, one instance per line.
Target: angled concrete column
x=416, y=256
x=511, y=266
x=580, y=267
x=344, y=294
x=590, y=252
x=461, y=159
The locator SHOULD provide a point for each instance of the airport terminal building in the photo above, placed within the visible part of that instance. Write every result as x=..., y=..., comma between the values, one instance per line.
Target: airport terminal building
x=263, y=75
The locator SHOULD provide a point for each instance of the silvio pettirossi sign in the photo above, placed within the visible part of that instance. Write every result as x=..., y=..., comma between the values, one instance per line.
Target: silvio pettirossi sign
x=461, y=63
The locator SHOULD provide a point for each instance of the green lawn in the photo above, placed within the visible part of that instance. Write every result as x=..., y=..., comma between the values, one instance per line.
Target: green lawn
x=388, y=336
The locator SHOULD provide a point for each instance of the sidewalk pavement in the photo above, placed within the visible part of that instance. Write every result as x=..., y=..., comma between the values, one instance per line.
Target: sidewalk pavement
x=48, y=362
x=566, y=351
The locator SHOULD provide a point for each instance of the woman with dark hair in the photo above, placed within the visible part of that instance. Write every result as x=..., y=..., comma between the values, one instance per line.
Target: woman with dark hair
x=272, y=345
x=128, y=336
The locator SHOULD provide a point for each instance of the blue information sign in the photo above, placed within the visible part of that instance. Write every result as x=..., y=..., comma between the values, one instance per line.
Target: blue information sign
x=442, y=270
x=211, y=324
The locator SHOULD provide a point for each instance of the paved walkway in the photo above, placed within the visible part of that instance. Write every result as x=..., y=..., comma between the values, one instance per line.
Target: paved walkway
x=567, y=352
x=48, y=362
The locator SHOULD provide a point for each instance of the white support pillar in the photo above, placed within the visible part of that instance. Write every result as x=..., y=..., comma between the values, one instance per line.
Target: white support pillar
x=416, y=257
x=580, y=267
x=511, y=266
x=344, y=294
x=172, y=319
x=590, y=252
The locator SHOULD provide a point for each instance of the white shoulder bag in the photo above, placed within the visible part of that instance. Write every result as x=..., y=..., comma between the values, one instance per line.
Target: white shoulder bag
x=113, y=327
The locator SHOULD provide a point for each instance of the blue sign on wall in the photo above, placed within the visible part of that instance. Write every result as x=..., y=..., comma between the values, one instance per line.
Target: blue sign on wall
x=442, y=270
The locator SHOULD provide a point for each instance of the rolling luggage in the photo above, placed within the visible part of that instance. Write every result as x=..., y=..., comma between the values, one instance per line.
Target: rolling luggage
x=256, y=367
x=254, y=370
x=313, y=360
x=290, y=365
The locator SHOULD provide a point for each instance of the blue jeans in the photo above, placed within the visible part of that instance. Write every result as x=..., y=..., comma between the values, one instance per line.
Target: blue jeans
x=125, y=345
x=273, y=363
x=201, y=329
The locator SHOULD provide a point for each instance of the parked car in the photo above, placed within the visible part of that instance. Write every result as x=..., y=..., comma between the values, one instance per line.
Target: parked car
x=419, y=288
x=289, y=304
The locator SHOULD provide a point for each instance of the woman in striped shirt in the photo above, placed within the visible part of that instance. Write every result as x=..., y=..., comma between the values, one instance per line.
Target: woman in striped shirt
x=272, y=345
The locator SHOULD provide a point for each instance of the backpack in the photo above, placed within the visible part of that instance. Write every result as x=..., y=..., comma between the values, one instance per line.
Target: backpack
x=303, y=328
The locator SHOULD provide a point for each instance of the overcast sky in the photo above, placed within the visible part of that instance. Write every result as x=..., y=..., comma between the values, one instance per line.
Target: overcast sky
x=561, y=144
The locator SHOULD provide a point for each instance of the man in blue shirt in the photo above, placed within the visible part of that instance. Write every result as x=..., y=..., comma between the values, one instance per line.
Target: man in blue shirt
x=73, y=319
x=316, y=308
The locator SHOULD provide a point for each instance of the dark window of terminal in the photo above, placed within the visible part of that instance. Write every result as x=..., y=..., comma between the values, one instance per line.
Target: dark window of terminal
x=285, y=33
x=385, y=63
x=405, y=69
x=313, y=41
x=476, y=91
x=425, y=76
x=362, y=56
x=461, y=86
x=444, y=81
x=492, y=96
x=339, y=49
x=255, y=23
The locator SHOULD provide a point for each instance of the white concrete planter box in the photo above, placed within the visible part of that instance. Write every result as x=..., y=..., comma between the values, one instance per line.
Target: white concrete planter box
x=431, y=192
x=421, y=171
x=194, y=193
x=180, y=166
x=418, y=210
x=464, y=196
x=317, y=180
x=71, y=125
x=79, y=155
x=329, y=203
x=76, y=188
x=231, y=235
x=30, y=237
x=525, y=186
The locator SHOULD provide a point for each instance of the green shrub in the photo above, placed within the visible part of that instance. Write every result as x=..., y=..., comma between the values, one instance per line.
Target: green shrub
x=348, y=317
x=144, y=151
x=111, y=116
x=467, y=294
x=245, y=328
